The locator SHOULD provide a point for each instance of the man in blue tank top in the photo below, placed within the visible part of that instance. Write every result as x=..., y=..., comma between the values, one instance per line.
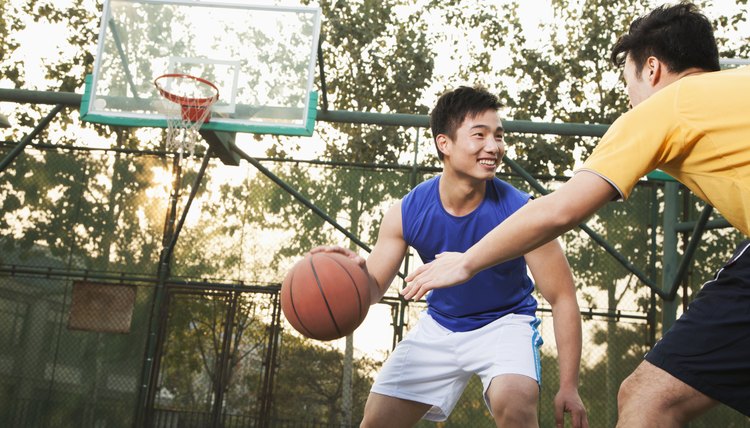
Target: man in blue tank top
x=486, y=326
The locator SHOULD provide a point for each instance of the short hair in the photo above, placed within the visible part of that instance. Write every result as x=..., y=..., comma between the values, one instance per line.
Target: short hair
x=454, y=106
x=679, y=35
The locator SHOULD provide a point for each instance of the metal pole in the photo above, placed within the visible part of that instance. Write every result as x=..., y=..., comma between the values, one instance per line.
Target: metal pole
x=27, y=139
x=223, y=372
x=302, y=199
x=339, y=116
x=690, y=250
x=671, y=201
x=270, y=361
x=149, y=373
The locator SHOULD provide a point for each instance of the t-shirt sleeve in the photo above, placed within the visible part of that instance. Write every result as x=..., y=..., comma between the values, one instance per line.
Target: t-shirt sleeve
x=638, y=142
x=512, y=199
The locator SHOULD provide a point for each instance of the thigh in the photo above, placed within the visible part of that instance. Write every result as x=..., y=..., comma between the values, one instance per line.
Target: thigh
x=509, y=345
x=384, y=411
x=656, y=398
x=423, y=368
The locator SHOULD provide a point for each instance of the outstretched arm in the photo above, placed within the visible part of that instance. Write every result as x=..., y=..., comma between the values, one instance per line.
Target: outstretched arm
x=538, y=222
x=553, y=279
x=383, y=262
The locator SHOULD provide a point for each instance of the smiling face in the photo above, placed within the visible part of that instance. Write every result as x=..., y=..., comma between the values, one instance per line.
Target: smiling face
x=478, y=147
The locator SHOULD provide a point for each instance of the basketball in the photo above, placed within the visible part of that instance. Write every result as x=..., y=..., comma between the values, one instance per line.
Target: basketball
x=325, y=296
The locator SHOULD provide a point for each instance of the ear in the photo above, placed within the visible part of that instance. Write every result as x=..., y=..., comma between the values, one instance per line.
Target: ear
x=442, y=143
x=653, y=70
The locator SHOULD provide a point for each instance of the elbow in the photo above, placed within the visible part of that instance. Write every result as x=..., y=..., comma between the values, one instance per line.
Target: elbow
x=563, y=217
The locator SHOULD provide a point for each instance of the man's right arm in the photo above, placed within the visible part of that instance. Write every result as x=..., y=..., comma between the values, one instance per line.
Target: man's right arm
x=389, y=251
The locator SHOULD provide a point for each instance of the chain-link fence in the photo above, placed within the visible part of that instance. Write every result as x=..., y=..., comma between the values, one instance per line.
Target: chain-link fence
x=85, y=342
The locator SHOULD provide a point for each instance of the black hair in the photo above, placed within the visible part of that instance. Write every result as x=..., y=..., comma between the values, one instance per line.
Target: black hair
x=679, y=35
x=454, y=106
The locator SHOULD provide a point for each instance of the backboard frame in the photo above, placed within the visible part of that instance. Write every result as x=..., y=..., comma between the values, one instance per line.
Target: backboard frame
x=94, y=110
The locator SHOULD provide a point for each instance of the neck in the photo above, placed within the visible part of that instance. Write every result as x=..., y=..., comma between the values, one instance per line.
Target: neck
x=669, y=77
x=460, y=197
x=690, y=72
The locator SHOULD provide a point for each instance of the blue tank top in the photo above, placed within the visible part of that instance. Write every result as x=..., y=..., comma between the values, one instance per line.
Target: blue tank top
x=490, y=294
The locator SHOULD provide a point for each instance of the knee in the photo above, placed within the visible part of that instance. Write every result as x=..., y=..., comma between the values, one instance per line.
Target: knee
x=520, y=415
x=516, y=409
x=628, y=390
x=372, y=419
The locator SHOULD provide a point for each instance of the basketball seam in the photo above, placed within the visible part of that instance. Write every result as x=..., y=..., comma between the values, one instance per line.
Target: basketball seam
x=294, y=308
x=354, y=283
x=325, y=298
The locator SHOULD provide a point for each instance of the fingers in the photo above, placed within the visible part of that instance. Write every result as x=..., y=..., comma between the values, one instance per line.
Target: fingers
x=565, y=403
x=577, y=412
x=414, y=291
x=323, y=249
x=340, y=250
x=412, y=276
x=559, y=414
x=579, y=418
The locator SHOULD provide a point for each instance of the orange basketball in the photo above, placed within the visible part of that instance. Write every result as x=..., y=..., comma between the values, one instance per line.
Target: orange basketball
x=325, y=296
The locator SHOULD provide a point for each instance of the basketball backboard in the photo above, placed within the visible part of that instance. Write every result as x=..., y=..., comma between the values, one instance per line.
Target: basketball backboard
x=260, y=57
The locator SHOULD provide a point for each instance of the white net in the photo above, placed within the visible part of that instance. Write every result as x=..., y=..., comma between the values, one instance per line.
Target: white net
x=186, y=103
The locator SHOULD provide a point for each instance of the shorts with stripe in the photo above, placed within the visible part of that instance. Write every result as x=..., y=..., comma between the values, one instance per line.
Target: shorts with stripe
x=708, y=347
x=433, y=365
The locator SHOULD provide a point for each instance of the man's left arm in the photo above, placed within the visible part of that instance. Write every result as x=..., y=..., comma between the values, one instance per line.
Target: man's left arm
x=553, y=278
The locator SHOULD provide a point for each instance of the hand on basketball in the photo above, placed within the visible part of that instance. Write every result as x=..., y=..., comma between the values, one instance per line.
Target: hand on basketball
x=446, y=270
x=568, y=401
x=341, y=250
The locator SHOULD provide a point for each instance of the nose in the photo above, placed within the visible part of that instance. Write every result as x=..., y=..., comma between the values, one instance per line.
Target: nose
x=491, y=145
x=495, y=146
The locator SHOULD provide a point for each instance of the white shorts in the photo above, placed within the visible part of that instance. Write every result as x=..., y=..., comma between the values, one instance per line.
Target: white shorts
x=433, y=365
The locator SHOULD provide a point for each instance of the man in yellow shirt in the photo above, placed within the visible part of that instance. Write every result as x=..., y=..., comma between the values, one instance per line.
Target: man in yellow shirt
x=693, y=122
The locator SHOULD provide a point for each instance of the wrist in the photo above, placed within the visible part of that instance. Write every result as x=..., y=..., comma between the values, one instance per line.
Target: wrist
x=375, y=292
x=469, y=264
x=568, y=386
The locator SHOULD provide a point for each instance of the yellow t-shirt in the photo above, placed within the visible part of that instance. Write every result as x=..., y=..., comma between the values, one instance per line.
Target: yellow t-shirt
x=697, y=130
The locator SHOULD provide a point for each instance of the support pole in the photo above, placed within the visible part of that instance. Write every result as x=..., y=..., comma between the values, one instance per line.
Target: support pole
x=148, y=385
x=669, y=258
x=27, y=139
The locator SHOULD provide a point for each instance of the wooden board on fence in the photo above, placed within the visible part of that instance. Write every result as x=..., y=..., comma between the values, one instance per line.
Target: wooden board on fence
x=101, y=307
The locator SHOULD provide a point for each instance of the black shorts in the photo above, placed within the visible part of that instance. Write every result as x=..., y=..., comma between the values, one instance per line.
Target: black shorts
x=708, y=348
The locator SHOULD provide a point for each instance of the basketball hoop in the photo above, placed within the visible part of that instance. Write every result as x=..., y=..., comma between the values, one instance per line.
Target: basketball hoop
x=187, y=105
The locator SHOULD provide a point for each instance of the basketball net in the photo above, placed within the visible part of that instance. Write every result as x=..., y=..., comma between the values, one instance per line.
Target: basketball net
x=186, y=103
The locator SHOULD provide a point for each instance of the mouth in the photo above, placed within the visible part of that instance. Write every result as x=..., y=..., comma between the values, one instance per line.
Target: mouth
x=488, y=162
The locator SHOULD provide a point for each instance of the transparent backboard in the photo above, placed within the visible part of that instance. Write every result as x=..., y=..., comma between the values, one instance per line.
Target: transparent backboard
x=261, y=58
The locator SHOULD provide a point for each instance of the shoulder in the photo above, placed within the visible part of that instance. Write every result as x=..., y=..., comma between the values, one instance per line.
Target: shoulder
x=421, y=192
x=426, y=185
x=506, y=190
x=392, y=216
